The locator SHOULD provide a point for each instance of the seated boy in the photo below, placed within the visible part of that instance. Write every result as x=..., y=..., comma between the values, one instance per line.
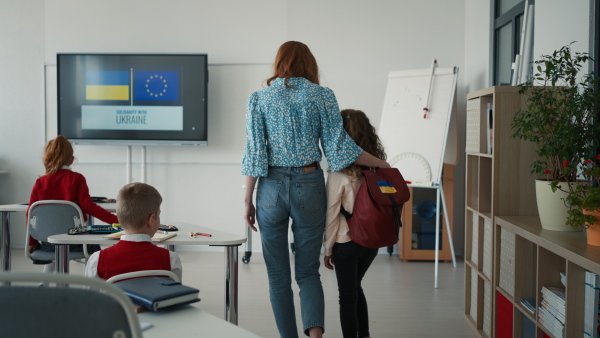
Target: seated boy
x=138, y=210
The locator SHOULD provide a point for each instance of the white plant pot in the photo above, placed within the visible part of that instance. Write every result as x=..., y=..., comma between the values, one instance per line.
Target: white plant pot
x=551, y=207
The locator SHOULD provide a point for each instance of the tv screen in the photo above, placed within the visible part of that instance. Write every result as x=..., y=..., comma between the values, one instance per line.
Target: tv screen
x=133, y=99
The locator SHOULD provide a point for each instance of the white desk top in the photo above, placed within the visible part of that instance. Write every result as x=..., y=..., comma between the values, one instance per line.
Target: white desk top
x=219, y=238
x=189, y=321
x=13, y=207
x=23, y=207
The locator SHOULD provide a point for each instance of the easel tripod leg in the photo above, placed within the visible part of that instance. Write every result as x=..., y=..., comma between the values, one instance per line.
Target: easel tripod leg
x=450, y=240
x=437, y=238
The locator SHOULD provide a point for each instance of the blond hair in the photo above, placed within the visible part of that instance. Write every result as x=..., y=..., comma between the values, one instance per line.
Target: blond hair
x=135, y=203
x=57, y=154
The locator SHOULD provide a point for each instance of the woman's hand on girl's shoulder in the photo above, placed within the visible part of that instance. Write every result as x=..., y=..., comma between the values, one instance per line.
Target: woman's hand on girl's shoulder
x=329, y=262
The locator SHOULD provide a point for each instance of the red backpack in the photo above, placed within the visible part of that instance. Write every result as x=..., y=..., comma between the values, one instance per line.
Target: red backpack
x=375, y=221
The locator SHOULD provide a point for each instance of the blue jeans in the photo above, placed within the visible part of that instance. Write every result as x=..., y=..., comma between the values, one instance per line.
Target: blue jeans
x=291, y=192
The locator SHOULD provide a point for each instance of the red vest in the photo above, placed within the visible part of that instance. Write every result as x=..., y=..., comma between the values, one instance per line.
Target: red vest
x=128, y=256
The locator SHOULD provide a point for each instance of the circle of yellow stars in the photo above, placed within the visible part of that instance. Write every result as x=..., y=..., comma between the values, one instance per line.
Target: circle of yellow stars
x=160, y=78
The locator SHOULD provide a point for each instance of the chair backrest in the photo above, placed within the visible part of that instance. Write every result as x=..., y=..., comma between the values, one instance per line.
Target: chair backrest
x=53, y=217
x=95, y=309
x=144, y=273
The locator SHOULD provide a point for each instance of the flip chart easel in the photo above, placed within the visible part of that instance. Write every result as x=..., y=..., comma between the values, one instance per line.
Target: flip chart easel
x=416, y=142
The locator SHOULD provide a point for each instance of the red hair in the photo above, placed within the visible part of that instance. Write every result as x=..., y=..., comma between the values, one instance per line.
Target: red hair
x=294, y=59
x=57, y=154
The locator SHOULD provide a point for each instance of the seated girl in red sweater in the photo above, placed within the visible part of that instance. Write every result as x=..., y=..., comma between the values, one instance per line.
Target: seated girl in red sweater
x=138, y=208
x=61, y=183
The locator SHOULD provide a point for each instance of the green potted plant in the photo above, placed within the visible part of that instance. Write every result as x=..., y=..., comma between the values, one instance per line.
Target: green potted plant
x=584, y=201
x=560, y=121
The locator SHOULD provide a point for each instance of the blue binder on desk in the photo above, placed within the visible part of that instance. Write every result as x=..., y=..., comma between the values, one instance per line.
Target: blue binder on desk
x=155, y=293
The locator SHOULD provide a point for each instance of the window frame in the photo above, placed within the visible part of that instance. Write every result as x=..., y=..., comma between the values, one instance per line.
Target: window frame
x=512, y=17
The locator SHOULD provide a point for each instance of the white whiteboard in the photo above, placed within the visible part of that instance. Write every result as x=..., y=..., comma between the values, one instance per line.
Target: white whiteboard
x=420, y=142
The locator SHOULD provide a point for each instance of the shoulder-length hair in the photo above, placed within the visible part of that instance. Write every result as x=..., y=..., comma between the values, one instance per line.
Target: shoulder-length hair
x=58, y=153
x=294, y=59
x=359, y=128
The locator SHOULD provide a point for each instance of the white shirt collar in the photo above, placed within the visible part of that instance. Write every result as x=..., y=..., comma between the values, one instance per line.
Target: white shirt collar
x=137, y=238
x=66, y=167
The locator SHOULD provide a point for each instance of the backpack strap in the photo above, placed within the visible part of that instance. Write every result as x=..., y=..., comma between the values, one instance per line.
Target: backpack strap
x=397, y=214
x=346, y=214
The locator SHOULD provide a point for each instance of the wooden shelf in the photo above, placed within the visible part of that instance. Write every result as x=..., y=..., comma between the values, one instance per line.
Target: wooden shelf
x=546, y=254
x=497, y=183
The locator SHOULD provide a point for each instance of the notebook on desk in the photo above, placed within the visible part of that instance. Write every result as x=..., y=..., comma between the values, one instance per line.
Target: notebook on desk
x=155, y=293
x=158, y=237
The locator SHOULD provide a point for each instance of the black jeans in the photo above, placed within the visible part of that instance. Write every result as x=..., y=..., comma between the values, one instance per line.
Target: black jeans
x=351, y=263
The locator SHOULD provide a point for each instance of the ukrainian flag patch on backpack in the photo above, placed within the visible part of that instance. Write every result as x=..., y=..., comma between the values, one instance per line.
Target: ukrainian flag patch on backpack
x=386, y=187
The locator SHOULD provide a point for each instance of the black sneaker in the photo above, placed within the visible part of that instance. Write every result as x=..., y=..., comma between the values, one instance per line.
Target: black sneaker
x=40, y=262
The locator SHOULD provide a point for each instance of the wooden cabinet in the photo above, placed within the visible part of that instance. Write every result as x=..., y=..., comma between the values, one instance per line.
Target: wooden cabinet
x=498, y=182
x=417, y=239
x=539, y=258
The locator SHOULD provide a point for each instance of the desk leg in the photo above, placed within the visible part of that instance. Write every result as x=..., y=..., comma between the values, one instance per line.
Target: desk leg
x=62, y=258
x=5, y=241
x=231, y=285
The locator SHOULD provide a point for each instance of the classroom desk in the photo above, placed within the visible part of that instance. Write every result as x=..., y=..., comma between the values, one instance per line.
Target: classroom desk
x=189, y=321
x=5, y=211
x=219, y=238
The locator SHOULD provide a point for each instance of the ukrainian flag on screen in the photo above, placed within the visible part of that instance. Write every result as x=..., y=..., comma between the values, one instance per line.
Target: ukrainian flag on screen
x=107, y=85
x=156, y=86
x=386, y=187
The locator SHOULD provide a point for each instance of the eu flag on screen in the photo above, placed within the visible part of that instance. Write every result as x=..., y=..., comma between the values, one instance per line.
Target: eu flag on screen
x=156, y=85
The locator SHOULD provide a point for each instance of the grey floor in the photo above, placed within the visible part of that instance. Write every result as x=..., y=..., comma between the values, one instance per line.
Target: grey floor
x=401, y=295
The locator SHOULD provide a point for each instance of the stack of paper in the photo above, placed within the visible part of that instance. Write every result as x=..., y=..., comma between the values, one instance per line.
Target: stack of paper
x=552, y=310
x=590, y=318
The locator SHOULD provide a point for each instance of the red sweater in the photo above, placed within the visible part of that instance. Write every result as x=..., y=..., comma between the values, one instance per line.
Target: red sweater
x=70, y=186
x=128, y=256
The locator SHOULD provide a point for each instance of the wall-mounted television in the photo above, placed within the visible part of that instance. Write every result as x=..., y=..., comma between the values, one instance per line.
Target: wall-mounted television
x=133, y=99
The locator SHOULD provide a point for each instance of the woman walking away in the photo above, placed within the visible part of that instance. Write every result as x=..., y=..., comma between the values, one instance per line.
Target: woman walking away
x=285, y=123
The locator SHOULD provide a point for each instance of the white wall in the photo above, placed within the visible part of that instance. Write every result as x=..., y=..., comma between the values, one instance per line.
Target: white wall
x=21, y=102
x=356, y=45
x=558, y=23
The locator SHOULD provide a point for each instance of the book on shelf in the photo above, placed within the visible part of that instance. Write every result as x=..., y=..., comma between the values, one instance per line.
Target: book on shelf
x=159, y=236
x=555, y=311
x=154, y=293
x=555, y=296
x=490, y=127
x=591, y=293
x=550, y=322
x=529, y=304
x=528, y=327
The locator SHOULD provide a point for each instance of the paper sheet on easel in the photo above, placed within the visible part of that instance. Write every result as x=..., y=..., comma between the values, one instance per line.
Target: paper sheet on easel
x=404, y=130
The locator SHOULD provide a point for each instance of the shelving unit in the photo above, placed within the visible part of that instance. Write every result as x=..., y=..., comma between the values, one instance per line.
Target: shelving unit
x=542, y=256
x=497, y=183
x=418, y=234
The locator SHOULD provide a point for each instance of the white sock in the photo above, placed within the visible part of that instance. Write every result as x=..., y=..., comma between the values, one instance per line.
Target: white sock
x=49, y=268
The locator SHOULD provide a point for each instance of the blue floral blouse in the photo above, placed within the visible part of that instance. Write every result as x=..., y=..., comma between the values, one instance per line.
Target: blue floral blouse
x=284, y=127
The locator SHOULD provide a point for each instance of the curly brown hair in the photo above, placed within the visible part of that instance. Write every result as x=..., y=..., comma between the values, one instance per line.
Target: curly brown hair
x=358, y=126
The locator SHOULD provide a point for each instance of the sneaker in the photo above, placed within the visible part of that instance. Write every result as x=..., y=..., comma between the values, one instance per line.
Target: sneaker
x=40, y=262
